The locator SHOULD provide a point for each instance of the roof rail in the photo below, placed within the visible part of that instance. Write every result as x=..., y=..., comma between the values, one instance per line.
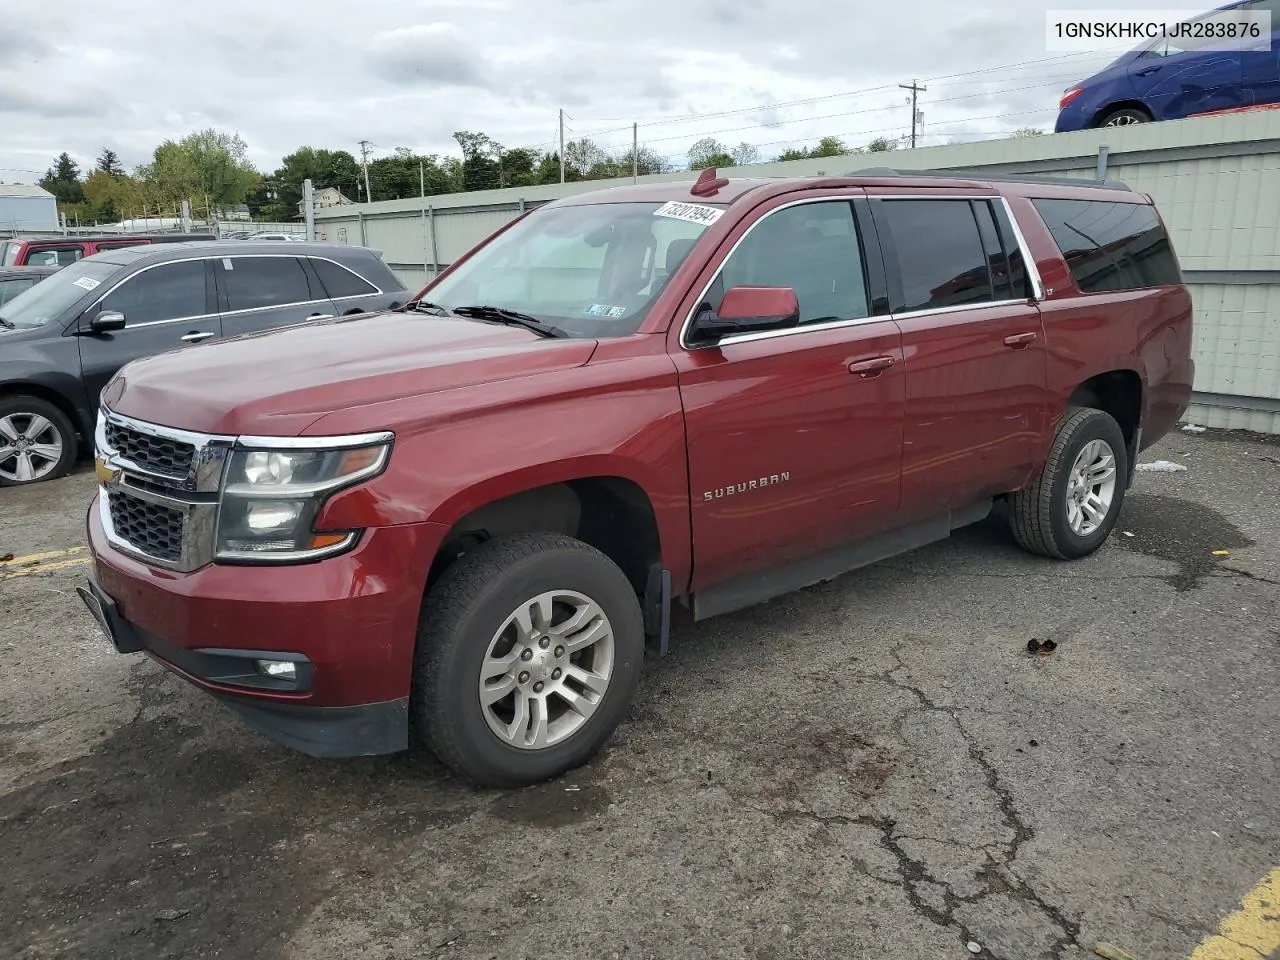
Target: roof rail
x=961, y=174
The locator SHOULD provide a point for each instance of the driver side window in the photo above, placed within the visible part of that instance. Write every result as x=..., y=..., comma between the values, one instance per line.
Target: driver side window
x=812, y=248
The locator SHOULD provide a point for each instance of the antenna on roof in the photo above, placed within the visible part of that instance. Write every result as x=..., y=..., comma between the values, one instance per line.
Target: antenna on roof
x=708, y=183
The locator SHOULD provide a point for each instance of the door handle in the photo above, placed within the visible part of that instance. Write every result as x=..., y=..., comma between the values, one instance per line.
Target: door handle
x=1019, y=340
x=1147, y=72
x=196, y=336
x=871, y=368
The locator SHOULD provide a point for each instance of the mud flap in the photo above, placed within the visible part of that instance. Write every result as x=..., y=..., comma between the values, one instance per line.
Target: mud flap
x=656, y=605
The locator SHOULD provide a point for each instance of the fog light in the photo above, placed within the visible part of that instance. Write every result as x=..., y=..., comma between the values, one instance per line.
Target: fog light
x=279, y=669
x=270, y=515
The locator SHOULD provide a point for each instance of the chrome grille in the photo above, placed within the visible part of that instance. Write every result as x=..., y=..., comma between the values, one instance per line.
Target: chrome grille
x=157, y=454
x=149, y=527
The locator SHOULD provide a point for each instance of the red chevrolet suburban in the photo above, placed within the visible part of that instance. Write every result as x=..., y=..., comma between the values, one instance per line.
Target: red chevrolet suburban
x=458, y=523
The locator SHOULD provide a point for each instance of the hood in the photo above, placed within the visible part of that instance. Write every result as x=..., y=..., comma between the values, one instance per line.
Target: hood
x=279, y=382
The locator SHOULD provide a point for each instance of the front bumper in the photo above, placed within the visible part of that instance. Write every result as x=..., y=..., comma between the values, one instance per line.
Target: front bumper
x=349, y=623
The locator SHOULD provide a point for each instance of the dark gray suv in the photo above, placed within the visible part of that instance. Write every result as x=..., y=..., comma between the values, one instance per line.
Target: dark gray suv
x=63, y=339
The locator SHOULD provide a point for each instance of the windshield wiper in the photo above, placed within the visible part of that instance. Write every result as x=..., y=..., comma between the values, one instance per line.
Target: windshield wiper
x=426, y=306
x=8, y=324
x=511, y=318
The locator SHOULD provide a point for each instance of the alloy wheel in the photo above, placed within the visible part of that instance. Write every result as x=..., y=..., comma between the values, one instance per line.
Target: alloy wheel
x=30, y=447
x=1091, y=487
x=547, y=669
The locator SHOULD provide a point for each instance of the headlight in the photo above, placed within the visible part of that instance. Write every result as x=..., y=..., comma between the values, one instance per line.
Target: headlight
x=272, y=497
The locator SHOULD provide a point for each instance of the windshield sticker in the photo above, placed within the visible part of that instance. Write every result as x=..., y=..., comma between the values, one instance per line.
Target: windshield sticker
x=604, y=310
x=692, y=212
x=86, y=283
x=226, y=264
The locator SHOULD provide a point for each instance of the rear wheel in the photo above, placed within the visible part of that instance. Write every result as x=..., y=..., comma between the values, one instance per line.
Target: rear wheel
x=1124, y=117
x=529, y=653
x=37, y=441
x=1069, y=509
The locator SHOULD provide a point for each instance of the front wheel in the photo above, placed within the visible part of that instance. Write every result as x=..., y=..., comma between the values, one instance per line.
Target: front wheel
x=529, y=653
x=37, y=441
x=1069, y=509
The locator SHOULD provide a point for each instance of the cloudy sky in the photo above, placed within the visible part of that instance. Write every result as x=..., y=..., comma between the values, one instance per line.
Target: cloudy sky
x=329, y=73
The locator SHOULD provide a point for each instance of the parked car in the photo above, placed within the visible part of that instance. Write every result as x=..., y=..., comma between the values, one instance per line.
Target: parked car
x=1167, y=79
x=60, y=251
x=287, y=237
x=63, y=339
x=459, y=521
x=16, y=280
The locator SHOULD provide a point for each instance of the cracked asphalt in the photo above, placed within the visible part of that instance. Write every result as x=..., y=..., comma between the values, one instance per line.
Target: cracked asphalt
x=872, y=768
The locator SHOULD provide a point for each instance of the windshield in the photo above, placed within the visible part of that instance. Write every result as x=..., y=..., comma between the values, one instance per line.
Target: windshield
x=591, y=270
x=48, y=300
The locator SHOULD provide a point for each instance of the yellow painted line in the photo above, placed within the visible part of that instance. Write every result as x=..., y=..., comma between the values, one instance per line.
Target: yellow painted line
x=1253, y=931
x=40, y=557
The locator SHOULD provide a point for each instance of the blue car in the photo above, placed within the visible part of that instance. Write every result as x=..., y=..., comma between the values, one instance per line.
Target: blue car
x=1167, y=79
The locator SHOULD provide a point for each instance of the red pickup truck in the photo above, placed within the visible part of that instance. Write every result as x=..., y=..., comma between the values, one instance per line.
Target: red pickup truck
x=458, y=524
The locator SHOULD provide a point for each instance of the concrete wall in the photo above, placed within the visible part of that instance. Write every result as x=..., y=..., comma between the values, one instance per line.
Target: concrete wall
x=1215, y=180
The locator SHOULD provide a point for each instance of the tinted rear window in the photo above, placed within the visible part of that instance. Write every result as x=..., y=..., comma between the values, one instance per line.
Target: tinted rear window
x=252, y=283
x=1109, y=245
x=339, y=281
x=940, y=253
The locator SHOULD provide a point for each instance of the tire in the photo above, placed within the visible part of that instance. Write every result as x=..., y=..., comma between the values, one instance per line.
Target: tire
x=1041, y=513
x=37, y=441
x=462, y=630
x=1124, y=117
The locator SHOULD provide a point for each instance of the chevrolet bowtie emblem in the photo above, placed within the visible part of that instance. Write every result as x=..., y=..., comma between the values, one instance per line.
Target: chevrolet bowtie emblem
x=105, y=472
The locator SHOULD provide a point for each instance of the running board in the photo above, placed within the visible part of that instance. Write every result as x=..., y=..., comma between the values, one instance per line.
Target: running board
x=778, y=581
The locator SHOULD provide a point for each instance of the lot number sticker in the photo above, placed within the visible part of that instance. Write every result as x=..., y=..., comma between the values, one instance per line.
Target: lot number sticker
x=692, y=212
x=86, y=283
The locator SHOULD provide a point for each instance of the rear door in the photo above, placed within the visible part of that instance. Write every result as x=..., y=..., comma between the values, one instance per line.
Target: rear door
x=166, y=306
x=262, y=291
x=975, y=352
x=1176, y=78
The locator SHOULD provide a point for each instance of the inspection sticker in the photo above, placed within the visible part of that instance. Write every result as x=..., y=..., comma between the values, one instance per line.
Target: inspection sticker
x=86, y=283
x=693, y=212
x=604, y=310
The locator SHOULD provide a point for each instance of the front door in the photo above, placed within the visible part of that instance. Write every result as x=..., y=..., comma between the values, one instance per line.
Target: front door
x=261, y=292
x=975, y=351
x=795, y=435
x=166, y=306
x=1177, y=78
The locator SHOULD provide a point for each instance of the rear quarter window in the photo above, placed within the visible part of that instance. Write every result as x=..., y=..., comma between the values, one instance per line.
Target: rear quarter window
x=339, y=281
x=1110, y=245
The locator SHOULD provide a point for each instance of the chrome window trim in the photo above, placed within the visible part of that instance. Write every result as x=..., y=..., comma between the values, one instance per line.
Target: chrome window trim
x=1033, y=272
x=376, y=289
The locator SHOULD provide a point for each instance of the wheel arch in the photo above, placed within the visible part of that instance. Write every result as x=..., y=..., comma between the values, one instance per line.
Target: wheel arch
x=41, y=391
x=608, y=510
x=1131, y=104
x=1120, y=394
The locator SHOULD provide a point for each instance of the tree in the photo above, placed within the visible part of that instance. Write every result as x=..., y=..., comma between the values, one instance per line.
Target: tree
x=743, y=154
x=63, y=181
x=111, y=197
x=829, y=147
x=406, y=174
x=480, y=155
x=109, y=163
x=281, y=192
x=1023, y=132
x=648, y=161
x=207, y=168
x=709, y=152
x=882, y=145
x=586, y=157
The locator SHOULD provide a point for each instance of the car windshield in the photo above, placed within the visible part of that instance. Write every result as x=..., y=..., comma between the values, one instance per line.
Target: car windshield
x=48, y=300
x=592, y=270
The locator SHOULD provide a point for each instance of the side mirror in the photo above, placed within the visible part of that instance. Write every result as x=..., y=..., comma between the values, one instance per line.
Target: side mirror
x=750, y=309
x=107, y=321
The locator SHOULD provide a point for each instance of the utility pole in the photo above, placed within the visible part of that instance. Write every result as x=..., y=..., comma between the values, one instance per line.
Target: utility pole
x=915, y=89
x=364, y=163
x=309, y=208
x=562, y=144
x=635, y=153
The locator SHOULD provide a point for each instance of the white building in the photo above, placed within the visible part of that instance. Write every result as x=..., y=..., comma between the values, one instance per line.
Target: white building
x=324, y=199
x=25, y=206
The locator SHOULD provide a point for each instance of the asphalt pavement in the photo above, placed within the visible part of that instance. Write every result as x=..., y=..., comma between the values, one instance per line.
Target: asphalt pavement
x=873, y=768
